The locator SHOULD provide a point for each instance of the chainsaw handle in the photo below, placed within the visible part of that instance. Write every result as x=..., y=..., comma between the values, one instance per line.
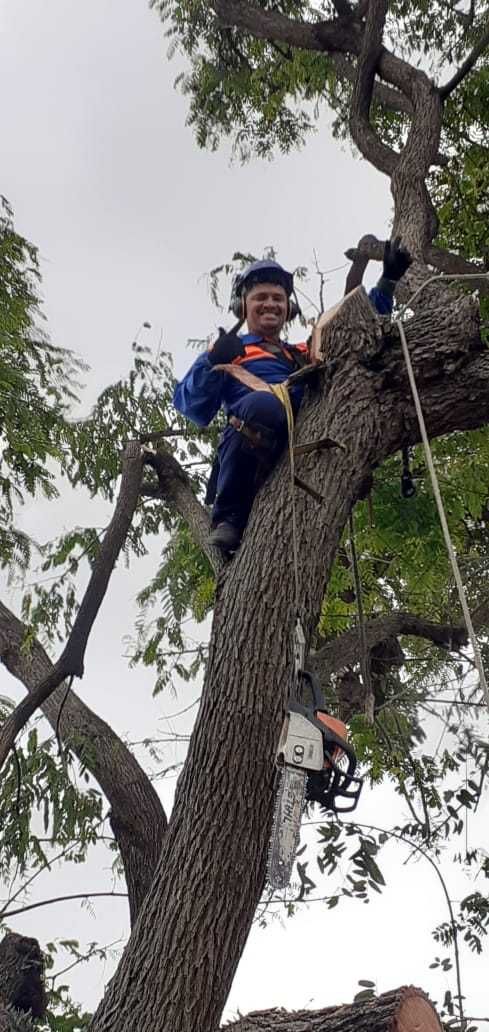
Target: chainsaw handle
x=313, y=682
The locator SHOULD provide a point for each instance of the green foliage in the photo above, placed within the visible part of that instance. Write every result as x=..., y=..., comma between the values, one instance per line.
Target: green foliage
x=267, y=95
x=138, y=404
x=461, y=188
x=43, y=810
x=403, y=557
x=239, y=86
x=183, y=586
x=37, y=384
x=63, y=1015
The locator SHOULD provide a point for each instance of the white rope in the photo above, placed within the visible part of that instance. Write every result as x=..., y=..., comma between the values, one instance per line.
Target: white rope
x=434, y=481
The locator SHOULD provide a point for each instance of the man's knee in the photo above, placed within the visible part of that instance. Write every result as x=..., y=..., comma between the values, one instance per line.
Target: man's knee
x=264, y=408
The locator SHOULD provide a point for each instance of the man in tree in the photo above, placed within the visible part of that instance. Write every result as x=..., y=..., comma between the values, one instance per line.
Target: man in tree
x=257, y=423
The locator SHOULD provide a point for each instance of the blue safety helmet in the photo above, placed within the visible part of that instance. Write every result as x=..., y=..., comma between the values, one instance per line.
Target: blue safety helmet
x=264, y=271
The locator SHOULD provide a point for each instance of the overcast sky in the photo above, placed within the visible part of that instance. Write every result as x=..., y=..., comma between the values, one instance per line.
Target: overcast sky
x=128, y=215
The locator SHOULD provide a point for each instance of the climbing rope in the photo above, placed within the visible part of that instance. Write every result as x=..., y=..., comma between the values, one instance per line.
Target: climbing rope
x=434, y=478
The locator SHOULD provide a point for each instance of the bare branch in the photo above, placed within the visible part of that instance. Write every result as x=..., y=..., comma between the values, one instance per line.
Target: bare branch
x=175, y=488
x=466, y=67
x=59, y=899
x=366, y=139
x=71, y=660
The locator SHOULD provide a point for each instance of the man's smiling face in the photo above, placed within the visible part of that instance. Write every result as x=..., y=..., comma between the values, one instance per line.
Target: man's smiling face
x=266, y=309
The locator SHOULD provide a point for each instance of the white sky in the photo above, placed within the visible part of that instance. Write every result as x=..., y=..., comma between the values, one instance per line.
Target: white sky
x=106, y=179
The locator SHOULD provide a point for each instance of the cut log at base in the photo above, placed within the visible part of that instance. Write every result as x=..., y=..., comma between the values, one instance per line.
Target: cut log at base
x=22, y=992
x=406, y=1009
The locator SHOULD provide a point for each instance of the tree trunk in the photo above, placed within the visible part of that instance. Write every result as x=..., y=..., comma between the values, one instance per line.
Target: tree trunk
x=179, y=965
x=402, y=1010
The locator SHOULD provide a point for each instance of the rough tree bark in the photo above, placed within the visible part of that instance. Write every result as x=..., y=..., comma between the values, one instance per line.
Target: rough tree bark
x=402, y=1010
x=178, y=967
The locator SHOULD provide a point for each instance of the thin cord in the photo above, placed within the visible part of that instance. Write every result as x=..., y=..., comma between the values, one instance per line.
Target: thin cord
x=435, y=484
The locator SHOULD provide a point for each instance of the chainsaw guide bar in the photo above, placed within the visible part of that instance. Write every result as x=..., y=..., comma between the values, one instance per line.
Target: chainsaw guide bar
x=316, y=764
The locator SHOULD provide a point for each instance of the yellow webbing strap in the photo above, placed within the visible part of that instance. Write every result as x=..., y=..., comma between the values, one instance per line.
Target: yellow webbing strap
x=281, y=392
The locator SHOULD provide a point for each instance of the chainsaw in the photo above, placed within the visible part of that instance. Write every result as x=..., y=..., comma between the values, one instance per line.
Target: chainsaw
x=317, y=765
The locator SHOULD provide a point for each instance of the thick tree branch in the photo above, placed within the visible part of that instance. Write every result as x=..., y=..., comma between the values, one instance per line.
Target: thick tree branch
x=277, y=28
x=454, y=264
x=366, y=139
x=70, y=663
x=273, y=26
x=466, y=67
x=136, y=814
x=371, y=249
x=339, y=36
x=175, y=488
x=415, y=217
x=343, y=650
x=407, y=1008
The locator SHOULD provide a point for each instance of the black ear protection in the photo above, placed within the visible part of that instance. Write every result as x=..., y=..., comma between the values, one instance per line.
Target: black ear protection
x=238, y=305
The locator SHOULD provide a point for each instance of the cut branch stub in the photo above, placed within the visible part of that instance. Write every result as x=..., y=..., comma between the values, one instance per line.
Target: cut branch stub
x=22, y=975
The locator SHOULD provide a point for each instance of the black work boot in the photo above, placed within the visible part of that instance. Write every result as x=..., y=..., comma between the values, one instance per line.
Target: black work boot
x=225, y=536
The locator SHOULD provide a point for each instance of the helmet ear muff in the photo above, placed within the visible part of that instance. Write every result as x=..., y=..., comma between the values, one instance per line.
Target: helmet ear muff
x=293, y=310
x=238, y=306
